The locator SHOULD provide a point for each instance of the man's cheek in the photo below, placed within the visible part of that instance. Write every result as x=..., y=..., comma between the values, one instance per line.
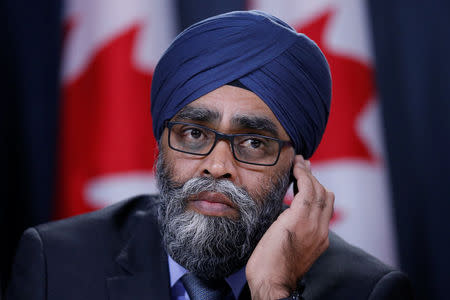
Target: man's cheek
x=182, y=169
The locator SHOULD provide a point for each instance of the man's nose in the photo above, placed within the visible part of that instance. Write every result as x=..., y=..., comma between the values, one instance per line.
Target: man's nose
x=220, y=163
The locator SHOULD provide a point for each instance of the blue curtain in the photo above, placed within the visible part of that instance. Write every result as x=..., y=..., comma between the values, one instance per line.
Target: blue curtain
x=412, y=47
x=31, y=39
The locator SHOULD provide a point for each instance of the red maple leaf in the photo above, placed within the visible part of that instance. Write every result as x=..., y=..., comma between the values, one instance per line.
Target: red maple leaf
x=352, y=89
x=106, y=124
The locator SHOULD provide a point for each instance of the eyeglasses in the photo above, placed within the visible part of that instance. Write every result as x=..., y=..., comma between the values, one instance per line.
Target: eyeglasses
x=251, y=149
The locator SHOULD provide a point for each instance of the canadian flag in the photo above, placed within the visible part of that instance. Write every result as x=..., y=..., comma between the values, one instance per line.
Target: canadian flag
x=107, y=150
x=349, y=161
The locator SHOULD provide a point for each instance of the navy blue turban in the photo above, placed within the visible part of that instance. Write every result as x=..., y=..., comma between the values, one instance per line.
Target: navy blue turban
x=284, y=68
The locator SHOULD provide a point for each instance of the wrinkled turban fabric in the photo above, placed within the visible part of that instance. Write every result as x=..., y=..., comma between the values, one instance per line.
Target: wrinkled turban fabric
x=284, y=68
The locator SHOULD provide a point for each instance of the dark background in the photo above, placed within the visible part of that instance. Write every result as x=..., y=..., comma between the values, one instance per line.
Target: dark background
x=412, y=47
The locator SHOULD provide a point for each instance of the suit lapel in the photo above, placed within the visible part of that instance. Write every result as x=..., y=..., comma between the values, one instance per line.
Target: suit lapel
x=142, y=271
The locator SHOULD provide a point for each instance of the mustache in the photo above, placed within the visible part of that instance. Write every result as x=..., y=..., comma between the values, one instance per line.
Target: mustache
x=239, y=196
x=197, y=185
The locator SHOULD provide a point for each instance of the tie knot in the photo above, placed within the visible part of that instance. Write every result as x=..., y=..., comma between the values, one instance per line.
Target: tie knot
x=201, y=289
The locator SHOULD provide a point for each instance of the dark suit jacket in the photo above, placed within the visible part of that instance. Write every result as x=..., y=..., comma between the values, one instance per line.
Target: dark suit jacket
x=116, y=254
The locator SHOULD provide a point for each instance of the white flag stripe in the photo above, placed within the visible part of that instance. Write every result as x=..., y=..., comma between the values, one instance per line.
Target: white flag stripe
x=368, y=128
x=109, y=189
x=98, y=22
x=293, y=12
x=361, y=197
x=347, y=32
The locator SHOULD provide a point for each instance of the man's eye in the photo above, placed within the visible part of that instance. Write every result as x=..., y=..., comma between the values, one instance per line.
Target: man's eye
x=193, y=133
x=253, y=143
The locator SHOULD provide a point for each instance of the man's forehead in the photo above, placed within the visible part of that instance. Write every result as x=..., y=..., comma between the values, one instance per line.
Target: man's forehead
x=236, y=109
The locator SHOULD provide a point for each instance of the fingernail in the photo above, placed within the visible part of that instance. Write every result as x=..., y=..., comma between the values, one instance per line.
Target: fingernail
x=308, y=164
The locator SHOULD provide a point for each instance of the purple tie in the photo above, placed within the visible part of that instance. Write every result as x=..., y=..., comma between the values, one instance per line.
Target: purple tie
x=200, y=289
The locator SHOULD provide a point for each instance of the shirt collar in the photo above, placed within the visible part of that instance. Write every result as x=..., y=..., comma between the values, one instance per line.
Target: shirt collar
x=236, y=280
x=175, y=271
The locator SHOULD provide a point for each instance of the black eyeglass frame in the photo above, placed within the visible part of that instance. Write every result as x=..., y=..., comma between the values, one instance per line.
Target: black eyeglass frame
x=230, y=138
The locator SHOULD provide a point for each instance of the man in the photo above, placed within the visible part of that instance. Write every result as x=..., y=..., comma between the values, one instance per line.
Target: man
x=239, y=101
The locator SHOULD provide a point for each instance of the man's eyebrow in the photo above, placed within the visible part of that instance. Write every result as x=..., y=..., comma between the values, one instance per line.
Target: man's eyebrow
x=199, y=114
x=255, y=123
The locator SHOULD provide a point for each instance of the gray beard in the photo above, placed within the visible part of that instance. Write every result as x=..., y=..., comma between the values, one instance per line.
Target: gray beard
x=214, y=247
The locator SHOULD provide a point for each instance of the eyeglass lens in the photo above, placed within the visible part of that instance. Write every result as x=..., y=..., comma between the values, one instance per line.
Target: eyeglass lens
x=200, y=140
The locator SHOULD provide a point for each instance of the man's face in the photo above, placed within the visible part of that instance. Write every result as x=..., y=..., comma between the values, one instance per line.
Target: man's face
x=227, y=109
x=214, y=208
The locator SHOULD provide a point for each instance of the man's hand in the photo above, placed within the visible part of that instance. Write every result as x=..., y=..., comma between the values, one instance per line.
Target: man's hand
x=294, y=241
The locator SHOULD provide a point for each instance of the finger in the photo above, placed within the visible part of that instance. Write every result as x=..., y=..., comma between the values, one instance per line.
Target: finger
x=325, y=217
x=308, y=165
x=320, y=201
x=303, y=200
x=319, y=194
x=303, y=162
x=329, y=209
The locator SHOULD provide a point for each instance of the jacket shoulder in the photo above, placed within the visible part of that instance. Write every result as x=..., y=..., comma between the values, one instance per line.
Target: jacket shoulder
x=98, y=234
x=116, y=219
x=74, y=256
x=75, y=245
x=347, y=272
